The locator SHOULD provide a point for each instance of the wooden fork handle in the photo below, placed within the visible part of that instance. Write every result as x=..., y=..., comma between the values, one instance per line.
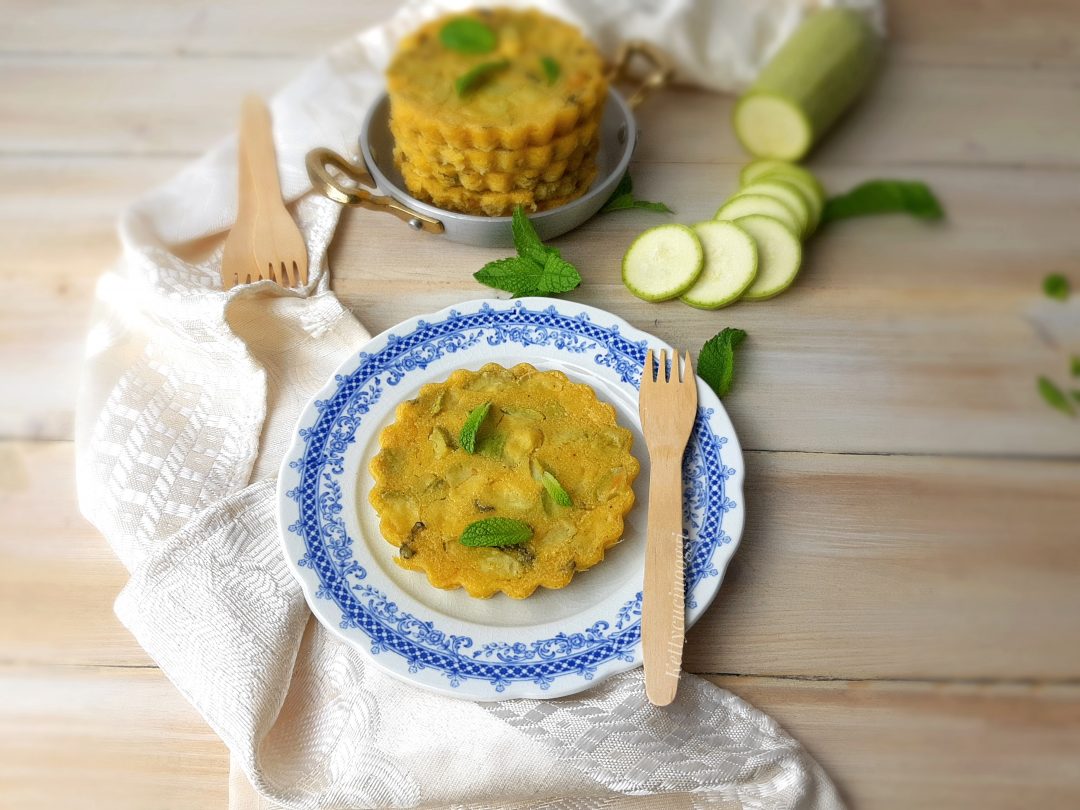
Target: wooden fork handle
x=258, y=160
x=663, y=619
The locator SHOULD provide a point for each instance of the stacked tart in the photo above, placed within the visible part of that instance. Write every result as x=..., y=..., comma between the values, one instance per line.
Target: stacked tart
x=496, y=108
x=503, y=479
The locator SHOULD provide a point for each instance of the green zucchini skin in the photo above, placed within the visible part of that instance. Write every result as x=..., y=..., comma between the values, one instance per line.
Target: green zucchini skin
x=816, y=76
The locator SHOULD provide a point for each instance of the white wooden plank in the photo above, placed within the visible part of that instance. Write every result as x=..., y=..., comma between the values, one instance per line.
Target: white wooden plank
x=913, y=114
x=184, y=29
x=113, y=738
x=128, y=105
x=900, y=567
x=959, y=32
x=58, y=578
x=962, y=746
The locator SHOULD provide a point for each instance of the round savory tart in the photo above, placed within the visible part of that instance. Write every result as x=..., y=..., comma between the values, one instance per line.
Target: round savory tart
x=495, y=90
x=546, y=457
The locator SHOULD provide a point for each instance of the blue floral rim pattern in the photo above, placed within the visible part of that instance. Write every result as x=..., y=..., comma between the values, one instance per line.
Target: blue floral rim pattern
x=329, y=548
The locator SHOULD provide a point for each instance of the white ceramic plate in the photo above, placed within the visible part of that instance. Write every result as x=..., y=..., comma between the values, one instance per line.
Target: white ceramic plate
x=555, y=642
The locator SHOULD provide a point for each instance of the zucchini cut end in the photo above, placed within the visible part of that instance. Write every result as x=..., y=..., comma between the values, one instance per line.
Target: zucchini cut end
x=771, y=126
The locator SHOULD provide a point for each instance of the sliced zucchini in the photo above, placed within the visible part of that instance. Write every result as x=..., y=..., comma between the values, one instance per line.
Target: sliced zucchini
x=744, y=205
x=663, y=262
x=730, y=265
x=779, y=256
x=787, y=193
x=801, y=178
x=812, y=191
x=757, y=169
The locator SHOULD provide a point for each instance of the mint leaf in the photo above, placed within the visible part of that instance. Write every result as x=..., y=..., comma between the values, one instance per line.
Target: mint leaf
x=1075, y=395
x=526, y=239
x=469, y=81
x=626, y=186
x=519, y=276
x=496, y=532
x=555, y=490
x=1056, y=286
x=716, y=360
x=1055, y=397
x=626, y=201
x=551, y=68
x=467, y=35
x=515, y=275
x=467, y=437
x=536, y=270
x=559, y=276
x=884, y=197
x=623, y=199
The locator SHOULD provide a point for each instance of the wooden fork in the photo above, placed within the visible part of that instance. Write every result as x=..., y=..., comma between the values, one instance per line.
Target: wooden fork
x=668, y=407
x=265, y=242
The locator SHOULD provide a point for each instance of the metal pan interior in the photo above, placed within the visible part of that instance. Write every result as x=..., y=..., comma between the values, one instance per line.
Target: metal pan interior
x=618, y=136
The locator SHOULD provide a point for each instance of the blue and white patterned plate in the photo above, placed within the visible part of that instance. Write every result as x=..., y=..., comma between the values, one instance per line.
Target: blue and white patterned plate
x=555, y=642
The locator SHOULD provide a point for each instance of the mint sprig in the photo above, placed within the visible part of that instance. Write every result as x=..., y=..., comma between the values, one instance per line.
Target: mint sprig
x=622, y=199
x=527, y=240
x=1054, y=396
x=536, y=270
x=884, y=197
x=467, y=437
x=467, y=35
x=472, y=79
x=555, y=489
x=496, y=532
x=716, y=360
x=1056, y=286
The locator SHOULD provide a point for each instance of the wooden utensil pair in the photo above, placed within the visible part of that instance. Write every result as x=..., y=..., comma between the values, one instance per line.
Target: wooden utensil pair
x=265, y=242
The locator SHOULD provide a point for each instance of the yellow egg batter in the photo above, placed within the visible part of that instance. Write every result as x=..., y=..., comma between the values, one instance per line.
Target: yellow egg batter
x=428, y=488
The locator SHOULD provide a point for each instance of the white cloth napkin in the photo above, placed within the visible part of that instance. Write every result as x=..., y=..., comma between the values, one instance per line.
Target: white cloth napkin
x=188, y=399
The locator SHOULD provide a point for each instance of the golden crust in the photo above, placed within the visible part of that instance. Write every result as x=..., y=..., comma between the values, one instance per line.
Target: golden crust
x=517, y=107
x=427, y=489
x=498, y=203
x=568, y=172
x=531, y=158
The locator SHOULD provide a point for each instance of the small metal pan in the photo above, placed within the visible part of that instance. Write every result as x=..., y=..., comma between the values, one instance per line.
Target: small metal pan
x=379, y=185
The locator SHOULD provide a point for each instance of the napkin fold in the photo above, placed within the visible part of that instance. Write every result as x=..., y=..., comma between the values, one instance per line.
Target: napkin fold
x=189, y=397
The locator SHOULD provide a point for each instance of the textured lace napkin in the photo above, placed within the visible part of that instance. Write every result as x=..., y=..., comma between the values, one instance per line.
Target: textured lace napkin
x=188, y=398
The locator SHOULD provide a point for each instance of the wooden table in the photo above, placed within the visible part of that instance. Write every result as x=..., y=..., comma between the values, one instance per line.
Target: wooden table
x=906, y=600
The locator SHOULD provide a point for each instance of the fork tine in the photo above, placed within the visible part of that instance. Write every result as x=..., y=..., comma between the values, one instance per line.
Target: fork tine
x=647, y=374
x=662, y=372
x=688, y=370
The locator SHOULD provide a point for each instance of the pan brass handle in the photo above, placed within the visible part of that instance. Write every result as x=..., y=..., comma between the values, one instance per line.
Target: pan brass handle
x=660, y=71
x=326, y=184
